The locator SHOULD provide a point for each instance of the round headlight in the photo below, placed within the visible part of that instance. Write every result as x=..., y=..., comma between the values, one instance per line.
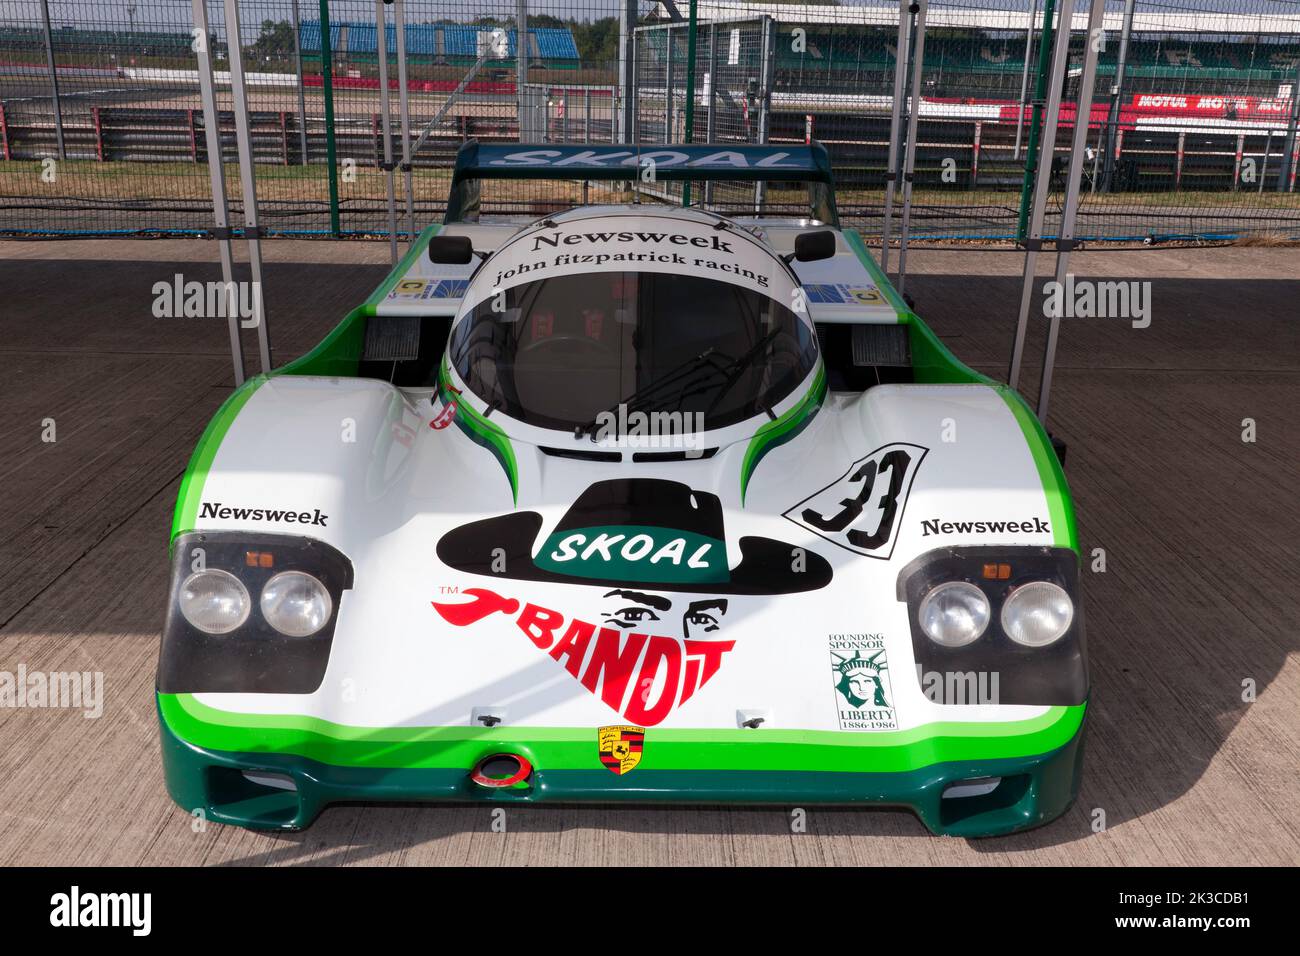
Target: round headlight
x=954, y=614
x=1037, y=613
x=216, y=602
x=296, y=604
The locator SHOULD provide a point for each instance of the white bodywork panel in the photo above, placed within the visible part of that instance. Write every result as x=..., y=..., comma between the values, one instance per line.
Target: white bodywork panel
x=393, y=492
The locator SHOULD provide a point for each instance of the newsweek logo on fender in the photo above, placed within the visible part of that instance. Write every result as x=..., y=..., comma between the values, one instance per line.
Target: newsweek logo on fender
x=224, y=512
x=931, y=526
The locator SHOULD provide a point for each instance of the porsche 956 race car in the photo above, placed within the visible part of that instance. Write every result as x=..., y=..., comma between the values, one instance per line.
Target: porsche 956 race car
x=627, y=501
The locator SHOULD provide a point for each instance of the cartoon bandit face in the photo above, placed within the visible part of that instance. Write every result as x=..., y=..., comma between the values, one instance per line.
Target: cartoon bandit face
x=629, y=592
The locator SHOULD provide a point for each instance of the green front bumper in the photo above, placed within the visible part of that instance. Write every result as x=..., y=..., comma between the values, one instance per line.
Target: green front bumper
x=205, y=754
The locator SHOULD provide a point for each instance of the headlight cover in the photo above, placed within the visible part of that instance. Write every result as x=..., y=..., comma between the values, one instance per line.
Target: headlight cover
x=214, y=601
x=954, y=614
x=296, y=604
x=254, y=656
x=1037, y=614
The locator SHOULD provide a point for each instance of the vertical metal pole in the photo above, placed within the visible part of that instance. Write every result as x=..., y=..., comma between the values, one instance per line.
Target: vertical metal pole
x=668, y=85
x=403, y=99
x=521, y=71
x=385, y=108
x=1024, y=77
x=1036, y=115
x=244, y=141
x=709, y=128
x=327, y=88
x=586, y=115
x=1116, y=97
x=1263, y=169
x=901, y=61
x=1078, y=156
x=909, y=156
x=216, y=173
x=626, y=122
x=1288, y=154
x=1052, y=77
x=302, y=96
x=692, y=28
x=765, y=101
x=54, y=79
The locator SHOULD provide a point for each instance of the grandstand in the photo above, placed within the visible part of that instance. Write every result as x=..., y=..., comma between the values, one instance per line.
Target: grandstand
x=455, y=44
x=979, y=50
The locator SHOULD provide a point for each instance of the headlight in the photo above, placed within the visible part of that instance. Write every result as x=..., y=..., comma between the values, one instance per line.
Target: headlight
x=954, y=614
x=1037, y=614
x=296, y=604
x=215, y=602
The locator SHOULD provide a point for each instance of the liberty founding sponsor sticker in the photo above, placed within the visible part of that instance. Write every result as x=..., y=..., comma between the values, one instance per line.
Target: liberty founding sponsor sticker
x=864, y=699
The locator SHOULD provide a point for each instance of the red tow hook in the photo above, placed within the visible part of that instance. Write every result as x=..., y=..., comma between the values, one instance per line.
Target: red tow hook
x=501, y=770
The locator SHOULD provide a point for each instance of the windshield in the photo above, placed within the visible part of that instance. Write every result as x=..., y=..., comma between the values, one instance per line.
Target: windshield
x=558, y=352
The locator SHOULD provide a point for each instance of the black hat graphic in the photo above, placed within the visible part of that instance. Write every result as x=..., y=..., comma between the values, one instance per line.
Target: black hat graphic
x=657, y=534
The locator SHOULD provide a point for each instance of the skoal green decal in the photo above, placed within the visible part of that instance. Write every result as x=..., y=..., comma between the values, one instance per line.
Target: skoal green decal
x=639, y=553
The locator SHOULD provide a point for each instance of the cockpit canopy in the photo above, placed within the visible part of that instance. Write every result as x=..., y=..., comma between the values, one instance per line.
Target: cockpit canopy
x=629, y=313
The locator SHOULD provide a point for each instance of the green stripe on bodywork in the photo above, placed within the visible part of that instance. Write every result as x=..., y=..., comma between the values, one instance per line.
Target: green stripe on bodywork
x=402, y=268
x=776, y=433
x=573, y=748
x=881, y=280
x=196, y=474
x=481, y=431
x=1060, y=509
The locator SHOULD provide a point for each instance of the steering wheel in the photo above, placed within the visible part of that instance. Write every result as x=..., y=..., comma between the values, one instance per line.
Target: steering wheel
x=583, y=341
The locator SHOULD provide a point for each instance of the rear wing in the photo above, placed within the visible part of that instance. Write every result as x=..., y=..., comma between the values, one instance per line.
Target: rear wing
x=476, y=162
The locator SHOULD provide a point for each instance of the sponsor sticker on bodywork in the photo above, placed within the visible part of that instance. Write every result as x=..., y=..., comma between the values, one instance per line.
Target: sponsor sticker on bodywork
x=864, y=699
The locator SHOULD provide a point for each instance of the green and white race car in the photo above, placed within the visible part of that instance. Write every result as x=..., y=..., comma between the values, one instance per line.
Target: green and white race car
x=633, y=501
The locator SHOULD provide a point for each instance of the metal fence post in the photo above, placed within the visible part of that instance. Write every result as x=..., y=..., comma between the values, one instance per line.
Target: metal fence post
x=1116, y=98
x=909, y=154
x=244, y=143
x=404, y=102
x=1285, y=175
x=688, y=132
x=709, y=128
x=1036, y=115
x=901, y=61
x=216, y=173
x=54, y=79
x=1024, y=77
x=521, y=69
x=765, y=100
x=386, y=106
x=1052, y=76
x=302, y=96
x=668, y=83
x=626, y=121
x=1078, y=156
x=327, y=88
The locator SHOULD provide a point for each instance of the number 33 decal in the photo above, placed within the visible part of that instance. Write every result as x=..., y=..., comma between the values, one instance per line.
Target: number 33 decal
x=860, y=510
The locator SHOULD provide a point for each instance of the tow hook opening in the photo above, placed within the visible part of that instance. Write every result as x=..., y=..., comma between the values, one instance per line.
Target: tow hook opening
x=500, y=771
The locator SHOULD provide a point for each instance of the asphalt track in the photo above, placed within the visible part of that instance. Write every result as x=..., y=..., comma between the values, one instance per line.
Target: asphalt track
x=1199, y=595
